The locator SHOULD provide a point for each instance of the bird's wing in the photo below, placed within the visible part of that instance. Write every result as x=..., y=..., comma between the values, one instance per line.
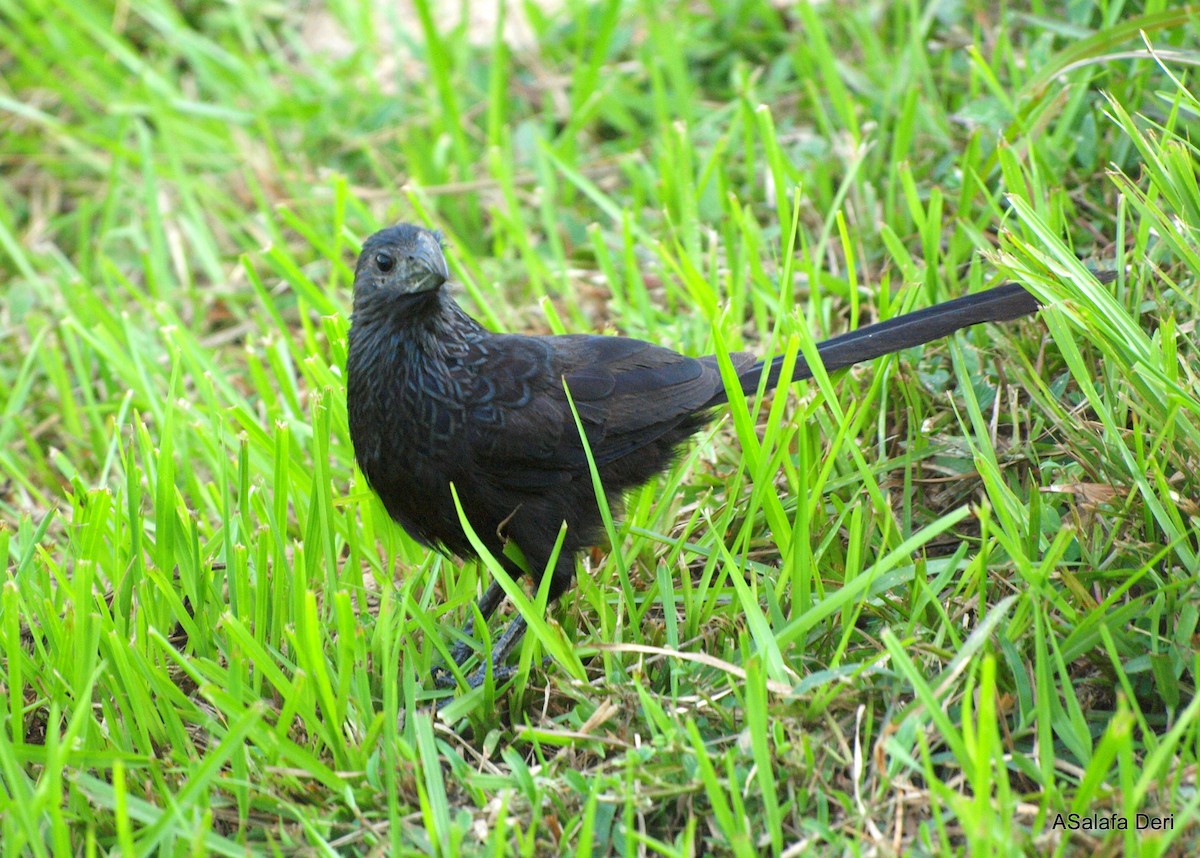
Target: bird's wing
x=628, y=394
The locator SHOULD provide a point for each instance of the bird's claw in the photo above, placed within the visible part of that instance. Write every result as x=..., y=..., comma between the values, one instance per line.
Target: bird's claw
x=443, y=678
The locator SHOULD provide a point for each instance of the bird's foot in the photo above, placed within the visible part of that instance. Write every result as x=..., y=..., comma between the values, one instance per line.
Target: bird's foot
x=501, y=672
x=459, y=653
x=443, y=678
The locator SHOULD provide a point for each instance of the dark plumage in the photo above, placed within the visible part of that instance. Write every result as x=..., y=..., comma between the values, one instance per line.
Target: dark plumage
x=436, y=399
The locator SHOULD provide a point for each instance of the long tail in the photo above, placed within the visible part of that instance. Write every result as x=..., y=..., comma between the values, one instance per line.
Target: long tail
x=1000, y=304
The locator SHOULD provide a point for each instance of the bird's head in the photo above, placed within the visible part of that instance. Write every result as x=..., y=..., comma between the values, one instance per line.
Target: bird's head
x=400, y=260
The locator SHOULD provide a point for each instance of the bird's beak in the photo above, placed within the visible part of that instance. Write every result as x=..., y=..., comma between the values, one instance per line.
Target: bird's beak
x=429, y=269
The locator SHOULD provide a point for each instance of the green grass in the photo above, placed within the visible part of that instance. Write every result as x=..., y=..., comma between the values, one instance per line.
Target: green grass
x=924, y=606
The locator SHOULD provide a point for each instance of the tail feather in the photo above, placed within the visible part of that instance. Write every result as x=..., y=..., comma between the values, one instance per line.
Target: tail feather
x=1000, y=304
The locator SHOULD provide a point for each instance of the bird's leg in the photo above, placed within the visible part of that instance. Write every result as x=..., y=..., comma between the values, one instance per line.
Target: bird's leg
x=462, y=649
x=504, y=645
x=562, y=577
x=487, y=605
x=503, y=648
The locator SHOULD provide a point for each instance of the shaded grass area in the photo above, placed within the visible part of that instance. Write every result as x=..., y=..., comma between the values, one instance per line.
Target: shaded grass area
x=928, y=605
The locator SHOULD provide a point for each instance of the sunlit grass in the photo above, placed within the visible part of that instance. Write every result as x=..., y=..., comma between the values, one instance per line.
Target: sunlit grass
x=923, y=605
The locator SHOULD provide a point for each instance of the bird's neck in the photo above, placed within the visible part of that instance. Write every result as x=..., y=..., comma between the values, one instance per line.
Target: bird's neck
x=398, y=363
x=390, y=341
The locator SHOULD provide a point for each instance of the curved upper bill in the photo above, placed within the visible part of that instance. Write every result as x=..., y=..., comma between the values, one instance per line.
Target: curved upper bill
x=429, y=269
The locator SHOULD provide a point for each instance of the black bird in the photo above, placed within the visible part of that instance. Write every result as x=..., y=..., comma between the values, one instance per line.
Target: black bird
x=434, y=398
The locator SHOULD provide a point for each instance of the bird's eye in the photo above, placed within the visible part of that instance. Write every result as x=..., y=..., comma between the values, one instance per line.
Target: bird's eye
x=385, y=262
